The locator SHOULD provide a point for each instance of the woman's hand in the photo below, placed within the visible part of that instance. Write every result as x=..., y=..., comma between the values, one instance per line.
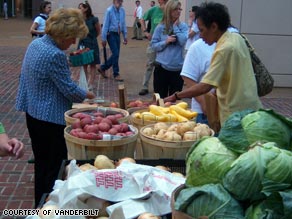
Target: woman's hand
x=170, y=39
x=11, y=147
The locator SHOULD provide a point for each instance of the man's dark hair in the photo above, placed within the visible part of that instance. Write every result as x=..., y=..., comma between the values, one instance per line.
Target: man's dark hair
x=214, y=13
x=153, y=2
x=195, y=8
x=43, y=5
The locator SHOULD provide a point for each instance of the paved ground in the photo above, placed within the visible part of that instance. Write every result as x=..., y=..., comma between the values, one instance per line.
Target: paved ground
x=16, y=176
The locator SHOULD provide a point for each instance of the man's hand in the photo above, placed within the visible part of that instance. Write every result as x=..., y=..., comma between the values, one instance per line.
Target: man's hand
x=170, y=99
x=148, y=35
x=125, y=42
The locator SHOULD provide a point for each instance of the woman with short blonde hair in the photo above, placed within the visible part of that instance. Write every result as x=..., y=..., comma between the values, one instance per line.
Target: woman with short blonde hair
x=46, y=91
x=66, y=24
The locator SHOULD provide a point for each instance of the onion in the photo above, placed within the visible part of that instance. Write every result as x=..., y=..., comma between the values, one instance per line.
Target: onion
x=163, y=168
x=103, y=162
x=178, y=174
x=148, y=215
x=87, y=166
x=129, y=159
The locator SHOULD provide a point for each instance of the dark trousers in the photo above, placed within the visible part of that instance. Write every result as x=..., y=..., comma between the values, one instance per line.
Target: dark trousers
x=49, y=149
x=166, y=82
x=114, y=42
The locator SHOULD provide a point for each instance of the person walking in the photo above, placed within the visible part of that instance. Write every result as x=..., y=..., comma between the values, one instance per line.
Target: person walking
x=113, y=26
x=90, y=41
x=5, y=10
x=148, y=29
x=154, y=15
x=230, y=72
x=46, y=91
x=137, y=32
x=193, y=34
x=168, y=42
x=38, y=26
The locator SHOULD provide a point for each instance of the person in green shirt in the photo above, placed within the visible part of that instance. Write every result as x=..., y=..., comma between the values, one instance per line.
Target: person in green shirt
x=154, y=15
x=10, y=147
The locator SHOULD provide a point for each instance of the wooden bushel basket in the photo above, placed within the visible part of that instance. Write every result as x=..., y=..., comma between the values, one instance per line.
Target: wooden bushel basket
x=83, y=149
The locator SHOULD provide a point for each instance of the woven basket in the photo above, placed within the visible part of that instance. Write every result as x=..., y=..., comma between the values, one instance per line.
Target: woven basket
x=88, y=149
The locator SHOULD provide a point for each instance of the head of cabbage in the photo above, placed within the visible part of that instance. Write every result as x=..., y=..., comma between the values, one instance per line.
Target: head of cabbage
x=262, y=170
x=207, y=161
x=211, y=201
x=243, y=128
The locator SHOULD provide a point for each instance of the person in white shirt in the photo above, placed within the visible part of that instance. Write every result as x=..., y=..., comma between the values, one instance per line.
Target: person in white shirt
x=5, y=10
x=38, y=26
x=194, y=32
x=137, y=32
x=196, y=64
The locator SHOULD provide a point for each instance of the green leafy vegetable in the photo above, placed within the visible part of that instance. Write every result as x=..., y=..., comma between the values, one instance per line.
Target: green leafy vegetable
x=207, y=162
x=210, y=200
x=243, y=128
x=263, y=169
x=276, y=206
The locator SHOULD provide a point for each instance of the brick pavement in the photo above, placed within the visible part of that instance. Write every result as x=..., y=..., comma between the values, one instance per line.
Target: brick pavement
x=16, y=176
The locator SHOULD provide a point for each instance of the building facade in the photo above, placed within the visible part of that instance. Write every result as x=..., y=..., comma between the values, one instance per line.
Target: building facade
x=267, y=24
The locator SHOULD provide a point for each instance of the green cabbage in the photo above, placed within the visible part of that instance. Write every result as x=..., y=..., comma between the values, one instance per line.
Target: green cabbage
x=276, y=206
x=243, y=128
x=265, y=168
x=210, y=200
x=207, y=162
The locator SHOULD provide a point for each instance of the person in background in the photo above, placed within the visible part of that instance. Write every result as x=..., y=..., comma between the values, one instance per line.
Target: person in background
x=38, y=26
x=230, y=71
x=154, y=16
x=168, y=42
x=5, y=10
x=10, y=147
x=90, y=41
x=114, y=24
x=193, y=34
x=137, y=32
x=152, y=4
x=46, y=92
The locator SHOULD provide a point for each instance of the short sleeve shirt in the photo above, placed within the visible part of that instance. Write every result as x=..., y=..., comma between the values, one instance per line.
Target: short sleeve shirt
x=41, y=23
x=232, y=74
x=154, y=15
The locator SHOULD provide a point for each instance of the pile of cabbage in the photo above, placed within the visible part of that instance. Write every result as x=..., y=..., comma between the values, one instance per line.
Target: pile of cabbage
x=244, y=175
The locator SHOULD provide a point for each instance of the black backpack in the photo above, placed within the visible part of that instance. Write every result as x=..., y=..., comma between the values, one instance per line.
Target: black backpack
x=43, y=17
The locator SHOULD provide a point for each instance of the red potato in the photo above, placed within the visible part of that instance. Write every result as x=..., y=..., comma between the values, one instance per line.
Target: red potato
x=98, y=114
x=108, y=121
x=93, y=136
x=80, y=115
x=121, y=134
x=117, y=127
x=139, y=103
x=132, y=104
x=114, y=105
x=79, y=130
x=129, y=133
x=124, y=127
x=76, y=124
x=112, y=131
x=82, y=135
x=167, y=104
x=97, y=120
x=85, y=121
x=91, y=128
x=104, y=127
x=119, y=115
x=113, y=119
x=74, y=132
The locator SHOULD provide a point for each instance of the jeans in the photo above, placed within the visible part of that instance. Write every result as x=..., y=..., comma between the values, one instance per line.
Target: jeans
x=151, y=55
x=114, y=42
x=202, y=118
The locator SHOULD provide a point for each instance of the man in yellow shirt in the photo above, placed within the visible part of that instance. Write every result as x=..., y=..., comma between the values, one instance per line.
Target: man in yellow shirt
x=230, y=71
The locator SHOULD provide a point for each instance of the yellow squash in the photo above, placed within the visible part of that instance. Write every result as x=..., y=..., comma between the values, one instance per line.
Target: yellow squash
x=185, y=113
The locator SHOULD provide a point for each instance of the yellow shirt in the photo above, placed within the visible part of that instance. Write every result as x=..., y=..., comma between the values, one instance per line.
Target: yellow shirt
x=232, y=74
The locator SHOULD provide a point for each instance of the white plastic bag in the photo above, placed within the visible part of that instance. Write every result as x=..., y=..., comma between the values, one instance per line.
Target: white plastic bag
x=82, y=79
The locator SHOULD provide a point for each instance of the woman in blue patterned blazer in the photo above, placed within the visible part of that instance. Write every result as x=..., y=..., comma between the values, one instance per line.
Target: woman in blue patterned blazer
x=46, y=92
